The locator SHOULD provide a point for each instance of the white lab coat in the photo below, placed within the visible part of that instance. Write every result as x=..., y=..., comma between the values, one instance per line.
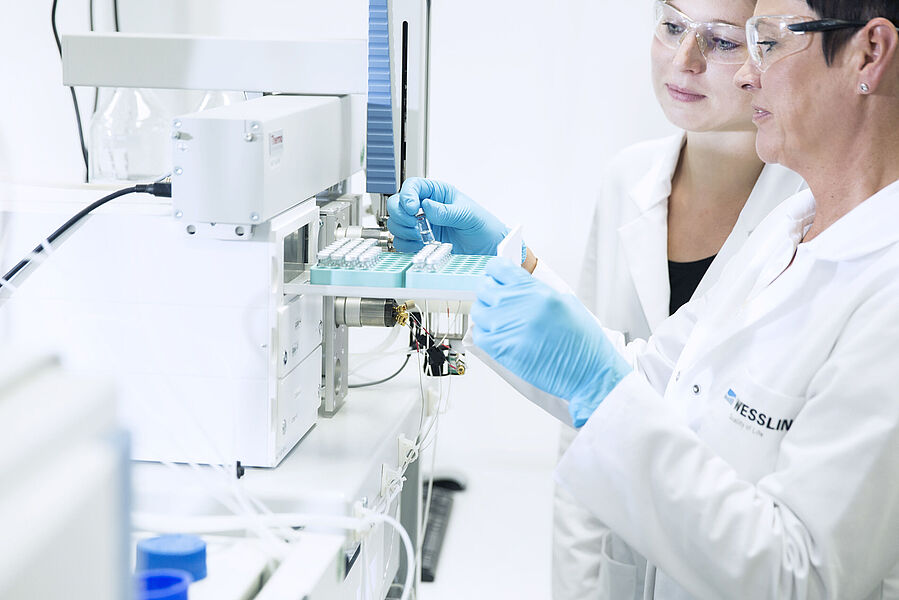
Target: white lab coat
x=625, y=283
x=754, y=452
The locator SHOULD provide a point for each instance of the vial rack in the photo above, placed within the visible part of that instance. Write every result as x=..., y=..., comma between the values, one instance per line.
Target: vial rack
x=460, y=272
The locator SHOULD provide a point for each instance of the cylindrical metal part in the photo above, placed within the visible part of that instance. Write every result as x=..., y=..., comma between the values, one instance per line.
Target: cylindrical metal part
x=382, y=236
x=365, y=312
x=381, y=214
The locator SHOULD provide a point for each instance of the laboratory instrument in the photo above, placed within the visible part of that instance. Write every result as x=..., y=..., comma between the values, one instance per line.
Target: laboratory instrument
x=201, y=308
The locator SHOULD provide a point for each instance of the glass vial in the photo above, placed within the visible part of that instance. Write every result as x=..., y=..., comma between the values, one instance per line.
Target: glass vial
x=424, y=228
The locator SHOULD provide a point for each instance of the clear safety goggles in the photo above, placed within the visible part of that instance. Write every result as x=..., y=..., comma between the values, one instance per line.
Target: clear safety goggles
x=718, y=42
x=771, y=38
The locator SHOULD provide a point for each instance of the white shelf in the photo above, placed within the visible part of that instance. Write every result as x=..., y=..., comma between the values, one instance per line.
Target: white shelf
x=293, y=288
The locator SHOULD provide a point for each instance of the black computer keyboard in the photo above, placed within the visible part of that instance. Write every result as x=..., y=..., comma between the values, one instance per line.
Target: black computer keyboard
x=438, y=519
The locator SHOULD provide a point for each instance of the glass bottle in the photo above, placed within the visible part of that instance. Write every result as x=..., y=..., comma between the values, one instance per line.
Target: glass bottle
x=215, y=99
x=129, y=138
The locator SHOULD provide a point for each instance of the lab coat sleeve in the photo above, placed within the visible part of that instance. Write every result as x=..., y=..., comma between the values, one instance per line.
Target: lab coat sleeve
x=823, y=524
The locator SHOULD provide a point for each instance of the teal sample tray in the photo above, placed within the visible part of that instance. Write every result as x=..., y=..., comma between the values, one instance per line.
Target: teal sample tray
x=462, y=272
x=389, y=272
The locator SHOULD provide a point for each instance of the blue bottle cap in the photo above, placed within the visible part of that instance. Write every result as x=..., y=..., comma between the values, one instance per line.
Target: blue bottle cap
x=186, y=552
x=161, y=584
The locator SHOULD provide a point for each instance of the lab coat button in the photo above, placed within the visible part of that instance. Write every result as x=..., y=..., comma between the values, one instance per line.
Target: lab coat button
x=696, y=390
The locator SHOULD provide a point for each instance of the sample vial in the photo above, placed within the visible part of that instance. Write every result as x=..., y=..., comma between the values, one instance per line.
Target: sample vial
x=438, y=258
x=324, y=257
x=370, y=258
x=418, y=261
x=424, y=228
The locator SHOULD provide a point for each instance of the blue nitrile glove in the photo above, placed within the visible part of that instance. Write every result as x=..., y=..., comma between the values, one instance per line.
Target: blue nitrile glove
x=454, y=217
x=548, y=339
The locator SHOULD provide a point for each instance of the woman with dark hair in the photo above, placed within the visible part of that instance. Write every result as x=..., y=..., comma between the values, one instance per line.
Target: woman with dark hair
x=750, y=447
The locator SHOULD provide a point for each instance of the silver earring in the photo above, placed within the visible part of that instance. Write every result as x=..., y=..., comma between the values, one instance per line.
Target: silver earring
x=864, y=88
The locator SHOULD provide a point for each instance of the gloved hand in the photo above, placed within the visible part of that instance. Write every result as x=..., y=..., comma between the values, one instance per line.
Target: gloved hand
x=454, y=217
x=548, y=339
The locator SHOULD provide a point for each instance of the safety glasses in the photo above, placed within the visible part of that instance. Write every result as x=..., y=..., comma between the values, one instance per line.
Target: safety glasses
x=771, y=38
x=718, y=42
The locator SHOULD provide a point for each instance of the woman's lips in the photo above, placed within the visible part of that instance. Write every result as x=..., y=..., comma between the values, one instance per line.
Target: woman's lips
x=759, y=114
x=683, y=95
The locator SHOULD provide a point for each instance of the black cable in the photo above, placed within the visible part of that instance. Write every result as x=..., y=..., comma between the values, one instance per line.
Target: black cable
x=380, y=381
x=90, y=12
x=115, y=15
x=71, y=89
x=157, y=189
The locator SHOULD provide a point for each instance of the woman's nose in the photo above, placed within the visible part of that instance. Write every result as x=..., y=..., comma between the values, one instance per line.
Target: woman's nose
x=689, y=55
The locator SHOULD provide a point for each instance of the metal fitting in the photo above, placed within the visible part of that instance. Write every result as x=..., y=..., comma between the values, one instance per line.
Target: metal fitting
x=384, y=237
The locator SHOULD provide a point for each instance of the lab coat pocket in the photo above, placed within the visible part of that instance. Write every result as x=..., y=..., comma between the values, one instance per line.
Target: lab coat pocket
x=747, y=424
x=617, y=580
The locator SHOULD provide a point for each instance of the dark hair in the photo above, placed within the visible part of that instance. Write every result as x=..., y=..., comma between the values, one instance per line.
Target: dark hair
x=850, y=10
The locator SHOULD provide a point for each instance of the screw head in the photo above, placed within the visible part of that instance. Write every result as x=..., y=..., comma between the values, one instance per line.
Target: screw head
x=254, y=217
x=178, y=170
x=176, y=135
x=255, y=126
x=249, y=137
x=179, y=214
x=177, y=124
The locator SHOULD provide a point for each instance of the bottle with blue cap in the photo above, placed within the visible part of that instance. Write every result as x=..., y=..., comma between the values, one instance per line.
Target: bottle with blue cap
x=162, y=584
x=185, y=552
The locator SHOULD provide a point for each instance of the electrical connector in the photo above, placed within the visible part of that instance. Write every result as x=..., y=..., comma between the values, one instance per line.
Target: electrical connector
x=160, y=189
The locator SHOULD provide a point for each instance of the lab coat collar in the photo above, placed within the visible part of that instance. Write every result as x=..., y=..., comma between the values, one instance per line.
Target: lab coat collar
x=644, y=240
x=655, y=186
x=867, y=228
